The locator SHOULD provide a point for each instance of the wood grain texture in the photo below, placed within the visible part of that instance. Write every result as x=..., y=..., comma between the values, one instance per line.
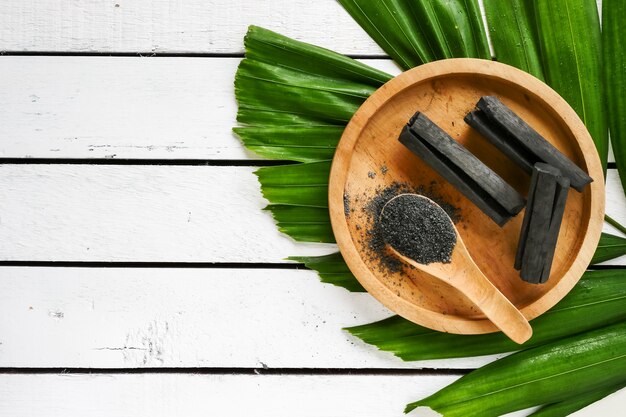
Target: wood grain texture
x=122, y=107
x=216, y=318
x=162, y=26
x=139, y=213
x=162, y=395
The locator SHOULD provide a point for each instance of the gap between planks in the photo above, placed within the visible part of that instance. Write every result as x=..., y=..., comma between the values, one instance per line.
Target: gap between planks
x=153, y=265
x=163, y=162
x=191, y=265
x=160, y=54
x=237, y=371
x=149, y=162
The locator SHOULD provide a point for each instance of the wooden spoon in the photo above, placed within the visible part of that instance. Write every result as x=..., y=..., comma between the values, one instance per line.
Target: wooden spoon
x=460, y=272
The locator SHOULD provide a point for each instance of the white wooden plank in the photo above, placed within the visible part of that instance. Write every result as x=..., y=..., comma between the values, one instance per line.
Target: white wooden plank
x=161, y=395
x=151, y=213
x=138, y=213
x=157, y=26
x=135, y=318
x=163, y=26
x=121, y=107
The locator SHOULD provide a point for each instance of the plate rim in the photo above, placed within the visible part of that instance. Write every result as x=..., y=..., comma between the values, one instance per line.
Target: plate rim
x=339, y=171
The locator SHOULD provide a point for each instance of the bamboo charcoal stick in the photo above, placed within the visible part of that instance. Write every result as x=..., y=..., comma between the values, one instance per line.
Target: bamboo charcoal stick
x=473, y=167
x=467, y=173
x=501, y=139
x=542, y=221
x=457, y=179
x=562, y=188
x=538, y=227
x=523, y=236
x=436, y=161
x=528, y=144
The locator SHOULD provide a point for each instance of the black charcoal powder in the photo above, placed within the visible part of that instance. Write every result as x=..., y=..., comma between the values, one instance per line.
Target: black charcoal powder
x=373, y=236
x=418, y=229
x=346, y=204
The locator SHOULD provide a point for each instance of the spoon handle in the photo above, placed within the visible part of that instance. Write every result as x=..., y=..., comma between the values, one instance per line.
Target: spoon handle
x=472, y=283
x=498, y=309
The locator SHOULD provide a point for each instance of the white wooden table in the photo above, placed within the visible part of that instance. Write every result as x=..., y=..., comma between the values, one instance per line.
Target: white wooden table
x=138, y=275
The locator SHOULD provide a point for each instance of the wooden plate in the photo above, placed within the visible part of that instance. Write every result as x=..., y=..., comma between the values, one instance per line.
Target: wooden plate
x=369, y=158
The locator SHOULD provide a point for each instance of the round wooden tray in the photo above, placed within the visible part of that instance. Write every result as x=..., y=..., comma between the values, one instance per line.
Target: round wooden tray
x=369, y=157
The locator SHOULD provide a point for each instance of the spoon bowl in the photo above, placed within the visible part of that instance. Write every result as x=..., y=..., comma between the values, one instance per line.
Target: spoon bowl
x=420, y=233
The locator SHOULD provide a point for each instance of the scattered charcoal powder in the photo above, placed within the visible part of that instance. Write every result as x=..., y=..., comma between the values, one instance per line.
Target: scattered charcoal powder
x=384, y=169
x=418, y=229
x=371, y=174
x=346, y=204
x=375, y=245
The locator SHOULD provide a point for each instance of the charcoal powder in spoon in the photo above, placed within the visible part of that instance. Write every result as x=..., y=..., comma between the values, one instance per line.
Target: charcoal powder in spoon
x=418, y=229
x=372, y=236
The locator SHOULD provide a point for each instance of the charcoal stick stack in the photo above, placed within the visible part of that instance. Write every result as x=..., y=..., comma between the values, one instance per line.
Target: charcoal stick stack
x=520, y=142
x=540, y=228
x=481, y=185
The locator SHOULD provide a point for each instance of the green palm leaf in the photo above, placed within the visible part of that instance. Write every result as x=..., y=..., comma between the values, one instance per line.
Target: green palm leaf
x=295, y=100
x=296, y=185
x=285, y=82
x=597, y=300
x=292, y=143
x=391, y=25
x=416, y=32
x=513, y=33
x=280, y=51
x=546, y=374
x=456, y=25
x=306, y=99
x=305, y=224
x=569, y=34
x=613, y=35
